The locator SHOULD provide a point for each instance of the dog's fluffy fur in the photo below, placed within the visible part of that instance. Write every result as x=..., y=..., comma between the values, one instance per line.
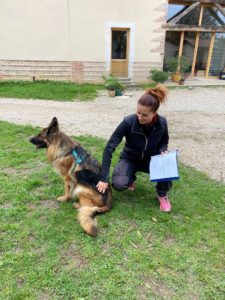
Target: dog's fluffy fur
x=80, y=178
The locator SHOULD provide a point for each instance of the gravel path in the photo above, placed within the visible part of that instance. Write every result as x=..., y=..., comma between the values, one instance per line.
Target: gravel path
x=196, y=121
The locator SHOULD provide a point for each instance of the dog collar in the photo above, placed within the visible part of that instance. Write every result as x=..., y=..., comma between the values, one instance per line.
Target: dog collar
x=79, y=160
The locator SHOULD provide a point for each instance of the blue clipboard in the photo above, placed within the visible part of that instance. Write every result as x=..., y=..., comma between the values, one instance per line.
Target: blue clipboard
x=164, y=167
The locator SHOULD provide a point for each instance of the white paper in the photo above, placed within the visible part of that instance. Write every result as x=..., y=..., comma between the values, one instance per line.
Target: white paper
x=164, y=167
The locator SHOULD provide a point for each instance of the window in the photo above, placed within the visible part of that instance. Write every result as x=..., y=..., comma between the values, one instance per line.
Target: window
x=212, y=17
x=171, y=45
x=119, y=44
x=173, y=10
x=218, y=56
x=192, y=18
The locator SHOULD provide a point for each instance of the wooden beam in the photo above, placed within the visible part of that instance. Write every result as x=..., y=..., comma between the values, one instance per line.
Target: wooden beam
x=181, y=43
x=220, y=9
x=221, y=2
x=184, y=13
x=195, y=53
x=210, y=54
x=195, y=28
x=200, y=16
x=181, y=46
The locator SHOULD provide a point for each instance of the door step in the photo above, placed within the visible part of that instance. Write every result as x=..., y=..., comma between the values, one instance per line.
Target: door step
x=125, y=80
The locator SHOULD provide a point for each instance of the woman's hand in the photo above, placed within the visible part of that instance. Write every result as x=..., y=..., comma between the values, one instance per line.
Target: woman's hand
x=164, y=152
x=102, y=186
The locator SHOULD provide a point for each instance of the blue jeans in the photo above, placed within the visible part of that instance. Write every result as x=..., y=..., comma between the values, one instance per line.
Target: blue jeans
x=124, y=174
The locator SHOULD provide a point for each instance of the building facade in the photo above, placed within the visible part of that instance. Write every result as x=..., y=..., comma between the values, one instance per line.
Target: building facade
x=80, y=41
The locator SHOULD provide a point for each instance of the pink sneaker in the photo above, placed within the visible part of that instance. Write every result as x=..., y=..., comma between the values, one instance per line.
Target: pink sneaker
x=165, y=205
x=131, y=187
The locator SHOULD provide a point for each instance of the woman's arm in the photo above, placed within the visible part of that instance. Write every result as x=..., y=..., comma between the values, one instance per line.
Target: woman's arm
x=111, y=146
x=163, y=145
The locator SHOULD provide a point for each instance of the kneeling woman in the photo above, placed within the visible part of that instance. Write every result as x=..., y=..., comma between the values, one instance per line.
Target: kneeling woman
x=146, y=134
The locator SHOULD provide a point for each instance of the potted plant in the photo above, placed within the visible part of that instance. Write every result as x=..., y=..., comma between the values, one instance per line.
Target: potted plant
x=113, y=85
x=177, y=66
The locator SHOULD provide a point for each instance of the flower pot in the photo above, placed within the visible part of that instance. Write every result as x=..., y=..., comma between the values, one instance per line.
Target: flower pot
x=112, y=93
x=176, y=77
x=181, y=82
x=118, y=93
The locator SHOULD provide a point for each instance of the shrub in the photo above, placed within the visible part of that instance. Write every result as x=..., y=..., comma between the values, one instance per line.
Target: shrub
x=158, y=76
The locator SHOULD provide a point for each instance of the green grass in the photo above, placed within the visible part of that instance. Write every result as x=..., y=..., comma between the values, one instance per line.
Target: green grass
x=51, y=90
x=139, y=253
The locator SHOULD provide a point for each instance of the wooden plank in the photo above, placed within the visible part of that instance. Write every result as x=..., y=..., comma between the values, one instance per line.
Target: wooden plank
x=184, y=13
x=200, y=16
x=195, y=53
x=181, y=43
x=184, y=27
x=119, y=67
x=181, y=46
x=210, y=54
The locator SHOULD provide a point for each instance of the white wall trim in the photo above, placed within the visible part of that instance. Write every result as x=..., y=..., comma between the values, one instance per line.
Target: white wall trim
x=108, y=27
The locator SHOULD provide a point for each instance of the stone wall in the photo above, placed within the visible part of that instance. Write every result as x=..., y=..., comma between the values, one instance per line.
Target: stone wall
x=52, y=70
x=26, y=70
x=141, y=71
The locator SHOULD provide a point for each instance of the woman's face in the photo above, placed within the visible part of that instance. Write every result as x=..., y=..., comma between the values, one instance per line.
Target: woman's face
x=144, y=114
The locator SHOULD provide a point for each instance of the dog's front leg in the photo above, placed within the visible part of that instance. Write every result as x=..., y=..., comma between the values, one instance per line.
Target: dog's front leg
x=66, y=196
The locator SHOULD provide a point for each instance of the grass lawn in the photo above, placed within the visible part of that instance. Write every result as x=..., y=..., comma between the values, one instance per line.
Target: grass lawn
x=50, y=90
x=139, y=253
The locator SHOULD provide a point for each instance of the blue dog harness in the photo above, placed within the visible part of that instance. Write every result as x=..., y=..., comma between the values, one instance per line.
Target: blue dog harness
x=79, y=160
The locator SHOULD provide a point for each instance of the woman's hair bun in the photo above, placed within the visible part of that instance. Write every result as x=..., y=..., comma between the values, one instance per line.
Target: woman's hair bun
x=159, y=92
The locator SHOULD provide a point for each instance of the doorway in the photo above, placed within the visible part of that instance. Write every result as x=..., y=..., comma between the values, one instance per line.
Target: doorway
x=119, y=52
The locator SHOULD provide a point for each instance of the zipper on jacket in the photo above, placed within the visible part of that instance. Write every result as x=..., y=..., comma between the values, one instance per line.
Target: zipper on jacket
x=146, y=139
x=146, y=143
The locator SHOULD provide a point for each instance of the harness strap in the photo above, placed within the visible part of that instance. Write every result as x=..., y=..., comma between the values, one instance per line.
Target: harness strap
x=79, y=160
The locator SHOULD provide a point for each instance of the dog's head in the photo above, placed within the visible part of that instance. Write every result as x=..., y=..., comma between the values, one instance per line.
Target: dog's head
x=46, y=136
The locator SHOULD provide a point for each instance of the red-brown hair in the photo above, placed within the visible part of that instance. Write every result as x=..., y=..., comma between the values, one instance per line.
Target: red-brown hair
x=154, y=97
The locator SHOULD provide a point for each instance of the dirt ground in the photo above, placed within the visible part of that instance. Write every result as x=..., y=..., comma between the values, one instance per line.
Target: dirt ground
x=196, y=119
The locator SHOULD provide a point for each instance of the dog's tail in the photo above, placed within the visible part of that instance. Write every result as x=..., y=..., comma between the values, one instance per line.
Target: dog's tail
x=86, y=214
x=86, y=218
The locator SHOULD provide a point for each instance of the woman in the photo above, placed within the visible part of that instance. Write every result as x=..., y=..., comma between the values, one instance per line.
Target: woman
x=146, y=134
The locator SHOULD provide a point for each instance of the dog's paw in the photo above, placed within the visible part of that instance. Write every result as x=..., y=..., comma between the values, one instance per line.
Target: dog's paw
x=62, y=198
x=76, y=205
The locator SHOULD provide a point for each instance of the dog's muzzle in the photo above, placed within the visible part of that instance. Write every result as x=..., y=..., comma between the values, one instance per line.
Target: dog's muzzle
x=39, y=144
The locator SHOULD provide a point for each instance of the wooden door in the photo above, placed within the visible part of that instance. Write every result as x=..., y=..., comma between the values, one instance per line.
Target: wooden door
x=119, y=52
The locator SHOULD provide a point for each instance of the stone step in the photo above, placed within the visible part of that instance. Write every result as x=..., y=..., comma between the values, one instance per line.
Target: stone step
x=125, y=80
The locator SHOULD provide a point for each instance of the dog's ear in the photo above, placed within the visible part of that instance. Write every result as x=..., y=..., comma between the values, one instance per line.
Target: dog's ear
x=53, y=126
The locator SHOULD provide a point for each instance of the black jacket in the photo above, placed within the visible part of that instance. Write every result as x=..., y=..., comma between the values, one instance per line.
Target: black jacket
x=140, y=144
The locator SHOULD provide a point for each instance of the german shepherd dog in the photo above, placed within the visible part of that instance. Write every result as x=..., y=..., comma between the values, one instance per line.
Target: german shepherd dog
x=80, y=172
